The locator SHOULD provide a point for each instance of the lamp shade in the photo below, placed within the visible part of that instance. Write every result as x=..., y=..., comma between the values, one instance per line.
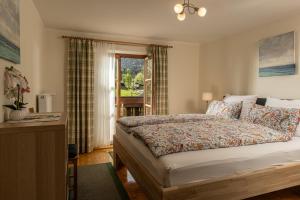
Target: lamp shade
x=178, y=8
x=181, y=16
x=207, y=96
x=202, y=12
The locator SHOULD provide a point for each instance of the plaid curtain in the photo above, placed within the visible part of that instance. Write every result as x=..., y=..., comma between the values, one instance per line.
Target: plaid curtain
x=80, y=93
x=159, y=56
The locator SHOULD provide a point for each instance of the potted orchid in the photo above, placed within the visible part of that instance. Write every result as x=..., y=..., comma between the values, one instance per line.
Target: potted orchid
x=15, y=86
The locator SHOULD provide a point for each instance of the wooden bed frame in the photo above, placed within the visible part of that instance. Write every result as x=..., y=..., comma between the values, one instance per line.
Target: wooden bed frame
x=234, y=187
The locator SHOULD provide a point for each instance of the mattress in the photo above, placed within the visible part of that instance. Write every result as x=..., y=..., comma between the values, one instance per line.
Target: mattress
x=188, y=167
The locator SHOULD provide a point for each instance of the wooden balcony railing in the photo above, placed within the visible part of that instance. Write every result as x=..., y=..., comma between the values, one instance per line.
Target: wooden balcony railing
x=131, y=106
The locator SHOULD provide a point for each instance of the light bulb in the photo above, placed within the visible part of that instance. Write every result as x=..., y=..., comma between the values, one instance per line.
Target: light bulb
x=181, y=16
x=178, y=8
x=202, y=12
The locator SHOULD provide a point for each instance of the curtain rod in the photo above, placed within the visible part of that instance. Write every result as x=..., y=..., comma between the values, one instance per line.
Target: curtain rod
x=114, y=42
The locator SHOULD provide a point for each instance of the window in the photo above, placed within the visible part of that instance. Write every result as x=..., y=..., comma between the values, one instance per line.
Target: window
x=132, y=77
x=130, y=85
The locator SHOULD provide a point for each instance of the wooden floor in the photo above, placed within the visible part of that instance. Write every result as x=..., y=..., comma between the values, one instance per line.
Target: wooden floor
x=135, y=193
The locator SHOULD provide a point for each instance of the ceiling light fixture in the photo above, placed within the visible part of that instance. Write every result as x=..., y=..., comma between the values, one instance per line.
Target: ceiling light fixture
x=191, y=8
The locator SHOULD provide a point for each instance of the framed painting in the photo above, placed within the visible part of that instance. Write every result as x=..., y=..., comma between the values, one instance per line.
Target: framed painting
x=277, y=55
x=10, y=30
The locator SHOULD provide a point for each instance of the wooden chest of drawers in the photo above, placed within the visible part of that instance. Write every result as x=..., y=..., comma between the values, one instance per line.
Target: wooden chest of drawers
x=33, y=160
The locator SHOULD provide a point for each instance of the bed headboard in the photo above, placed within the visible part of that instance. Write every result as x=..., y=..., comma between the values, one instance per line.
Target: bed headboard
x=259, y=101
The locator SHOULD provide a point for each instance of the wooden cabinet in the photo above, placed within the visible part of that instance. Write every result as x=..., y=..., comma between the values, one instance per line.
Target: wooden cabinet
x=33, y=159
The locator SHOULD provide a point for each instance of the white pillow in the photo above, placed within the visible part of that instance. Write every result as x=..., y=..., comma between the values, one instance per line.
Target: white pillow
x=236, y=99
x=278, y=103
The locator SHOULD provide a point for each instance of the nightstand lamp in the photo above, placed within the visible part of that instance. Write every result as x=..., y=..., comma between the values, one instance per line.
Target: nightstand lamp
x=207, y=96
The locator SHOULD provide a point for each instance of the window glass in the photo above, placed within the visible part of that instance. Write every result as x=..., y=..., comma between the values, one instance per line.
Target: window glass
x=132, y=77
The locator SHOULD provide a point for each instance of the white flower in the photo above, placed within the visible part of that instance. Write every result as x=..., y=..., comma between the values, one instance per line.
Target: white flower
x=12, y=79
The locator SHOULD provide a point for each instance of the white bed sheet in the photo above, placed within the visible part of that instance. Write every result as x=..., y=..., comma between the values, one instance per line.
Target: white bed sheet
x=187, y=167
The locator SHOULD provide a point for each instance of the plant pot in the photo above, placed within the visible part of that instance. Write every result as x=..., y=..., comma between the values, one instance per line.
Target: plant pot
x=17, y=115
x=6, y=113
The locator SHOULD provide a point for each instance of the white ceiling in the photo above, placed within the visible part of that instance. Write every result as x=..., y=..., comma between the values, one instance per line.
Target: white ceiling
x=155, y=19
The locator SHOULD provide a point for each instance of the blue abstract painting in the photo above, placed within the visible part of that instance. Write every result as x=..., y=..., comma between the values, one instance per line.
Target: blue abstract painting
x=10, y=30
x=277, y=55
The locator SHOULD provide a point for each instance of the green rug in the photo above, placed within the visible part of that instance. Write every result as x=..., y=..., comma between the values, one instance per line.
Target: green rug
x=100, y=182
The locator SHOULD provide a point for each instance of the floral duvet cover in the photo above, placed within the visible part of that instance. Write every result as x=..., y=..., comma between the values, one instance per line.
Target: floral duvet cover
x=211, y=133
x=130, y=122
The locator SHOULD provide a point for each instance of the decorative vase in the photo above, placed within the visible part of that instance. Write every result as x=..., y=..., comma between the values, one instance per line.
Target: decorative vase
x=17, y=115
x=6, y=114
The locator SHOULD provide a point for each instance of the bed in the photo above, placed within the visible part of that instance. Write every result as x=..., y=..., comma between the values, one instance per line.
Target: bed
x=227, y=173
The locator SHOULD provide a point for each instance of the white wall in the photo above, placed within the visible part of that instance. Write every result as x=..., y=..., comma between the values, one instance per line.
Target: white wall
x=31, y=52
x=230, y=65
x=184, y=78
x=183, y=69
